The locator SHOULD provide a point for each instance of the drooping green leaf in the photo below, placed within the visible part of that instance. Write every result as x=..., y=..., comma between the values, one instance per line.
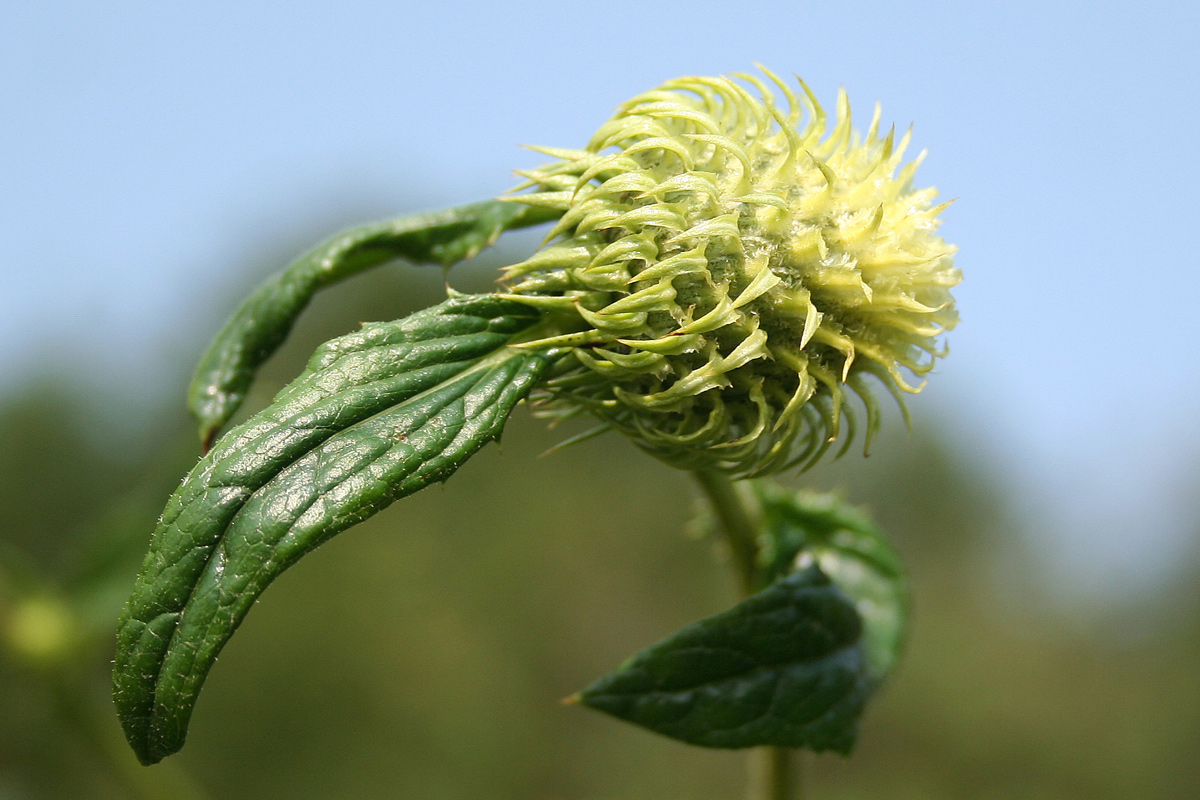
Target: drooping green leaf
x=378, y=415
x=264, y=319
x=802, y=527
x=784, y=667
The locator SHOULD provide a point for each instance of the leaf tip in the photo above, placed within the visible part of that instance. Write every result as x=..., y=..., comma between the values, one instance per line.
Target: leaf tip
x=147, y=758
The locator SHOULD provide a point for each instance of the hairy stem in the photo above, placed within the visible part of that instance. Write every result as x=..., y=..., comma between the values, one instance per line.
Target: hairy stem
x=774, y=774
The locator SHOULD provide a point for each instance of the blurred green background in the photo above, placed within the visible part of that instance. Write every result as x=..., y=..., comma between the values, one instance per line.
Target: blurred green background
x=157, y=159
x=424, y=653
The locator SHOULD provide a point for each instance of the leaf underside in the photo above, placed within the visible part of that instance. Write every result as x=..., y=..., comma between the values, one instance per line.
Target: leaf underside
x=784, y=667
x=266, y=317
x=377, y=415
x=805, y=527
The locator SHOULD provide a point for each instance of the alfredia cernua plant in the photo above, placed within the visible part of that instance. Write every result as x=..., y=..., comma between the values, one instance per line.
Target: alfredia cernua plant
x=724, y=263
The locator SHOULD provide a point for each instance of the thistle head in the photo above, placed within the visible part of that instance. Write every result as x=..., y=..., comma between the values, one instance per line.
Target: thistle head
x=726, y=266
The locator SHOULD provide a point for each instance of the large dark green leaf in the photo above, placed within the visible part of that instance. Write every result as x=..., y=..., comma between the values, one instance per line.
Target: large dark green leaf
x=802, y=527
x=784, y=667
x=264, y=319
x=378, y=415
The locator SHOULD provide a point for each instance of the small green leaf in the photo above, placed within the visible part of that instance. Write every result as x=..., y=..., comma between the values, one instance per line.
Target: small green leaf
x=264, y=319
x=378, y=415
x=802, y=527
x=784, y=667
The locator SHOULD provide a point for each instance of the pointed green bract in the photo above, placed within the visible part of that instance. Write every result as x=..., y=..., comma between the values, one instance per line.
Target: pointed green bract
x=264, y=319
x=378, y=415
x=783, y=668
x=805, y=527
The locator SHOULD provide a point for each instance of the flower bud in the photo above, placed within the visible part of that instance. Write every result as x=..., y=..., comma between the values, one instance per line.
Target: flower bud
x=725, y=267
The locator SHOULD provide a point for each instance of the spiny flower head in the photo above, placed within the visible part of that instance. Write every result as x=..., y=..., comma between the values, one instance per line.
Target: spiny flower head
x=722, y=272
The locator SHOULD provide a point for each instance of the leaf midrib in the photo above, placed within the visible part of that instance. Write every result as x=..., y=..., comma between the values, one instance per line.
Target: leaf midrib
x=502, y=354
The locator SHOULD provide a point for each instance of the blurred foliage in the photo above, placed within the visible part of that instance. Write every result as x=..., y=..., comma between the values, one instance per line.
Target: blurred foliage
x=424, y=654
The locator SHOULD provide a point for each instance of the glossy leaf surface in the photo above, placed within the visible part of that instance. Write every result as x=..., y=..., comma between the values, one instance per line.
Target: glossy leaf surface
x=784, y=667
x=800, y=528
x=264, y=319
x=377, y=415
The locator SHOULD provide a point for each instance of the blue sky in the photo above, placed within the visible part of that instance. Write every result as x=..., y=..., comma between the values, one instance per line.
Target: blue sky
x=147, y=148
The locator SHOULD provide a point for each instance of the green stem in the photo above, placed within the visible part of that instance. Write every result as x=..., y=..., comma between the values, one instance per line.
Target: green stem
x=732, y=506
x=774, y=774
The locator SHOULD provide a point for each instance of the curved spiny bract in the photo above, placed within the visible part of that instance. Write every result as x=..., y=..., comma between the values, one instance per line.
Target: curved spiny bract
x=729, y=271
